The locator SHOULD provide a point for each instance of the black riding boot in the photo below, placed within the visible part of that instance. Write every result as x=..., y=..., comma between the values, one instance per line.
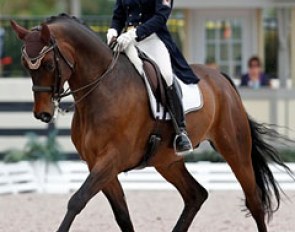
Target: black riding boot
x=182, y=143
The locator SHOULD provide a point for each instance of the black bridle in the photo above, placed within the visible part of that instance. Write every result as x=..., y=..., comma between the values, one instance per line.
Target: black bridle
x=57, y=90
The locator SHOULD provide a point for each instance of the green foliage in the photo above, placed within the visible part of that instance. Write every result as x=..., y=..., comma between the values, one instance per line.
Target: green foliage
x=288, y=155
x=213, y=156
x=28, y=7
x=97, y=7
x=52, y=7
x=49, y=150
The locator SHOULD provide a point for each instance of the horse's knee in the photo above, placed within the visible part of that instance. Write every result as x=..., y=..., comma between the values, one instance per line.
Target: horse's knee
x=76, y=203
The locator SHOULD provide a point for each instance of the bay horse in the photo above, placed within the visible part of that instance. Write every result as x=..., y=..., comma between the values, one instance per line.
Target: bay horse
x=112, y=123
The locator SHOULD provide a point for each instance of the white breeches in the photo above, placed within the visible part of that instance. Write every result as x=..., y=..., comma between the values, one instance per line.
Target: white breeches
x=155, y=49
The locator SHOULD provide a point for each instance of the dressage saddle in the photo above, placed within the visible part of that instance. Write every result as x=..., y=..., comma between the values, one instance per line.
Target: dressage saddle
x=154, y=77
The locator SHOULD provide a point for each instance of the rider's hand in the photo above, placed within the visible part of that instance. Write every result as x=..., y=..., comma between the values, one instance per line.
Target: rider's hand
x=112, y=33
x=126, y=39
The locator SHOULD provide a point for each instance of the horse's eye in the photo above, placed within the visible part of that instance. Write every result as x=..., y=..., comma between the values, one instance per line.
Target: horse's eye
x=48, y=66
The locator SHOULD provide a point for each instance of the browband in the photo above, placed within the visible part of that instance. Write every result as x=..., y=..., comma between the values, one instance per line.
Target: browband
x=34, y=63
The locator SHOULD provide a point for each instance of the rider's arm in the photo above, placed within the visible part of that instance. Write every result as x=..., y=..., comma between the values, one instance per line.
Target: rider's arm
x=154, y=24
x=119, y=17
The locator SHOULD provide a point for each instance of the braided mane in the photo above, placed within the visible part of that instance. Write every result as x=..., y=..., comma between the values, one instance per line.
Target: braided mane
x=63, y=16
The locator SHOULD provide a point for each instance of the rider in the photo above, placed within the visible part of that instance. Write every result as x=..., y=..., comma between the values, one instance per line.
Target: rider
x=143, y=24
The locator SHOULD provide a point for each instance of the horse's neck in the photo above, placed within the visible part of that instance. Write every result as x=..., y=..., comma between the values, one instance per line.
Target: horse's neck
x=92, y=59
x=119, y=88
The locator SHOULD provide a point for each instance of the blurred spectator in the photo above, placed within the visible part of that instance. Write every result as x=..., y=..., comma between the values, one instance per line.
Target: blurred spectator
x=1, y=48
x=5, y=61
x=2, y=32
x=255, y=78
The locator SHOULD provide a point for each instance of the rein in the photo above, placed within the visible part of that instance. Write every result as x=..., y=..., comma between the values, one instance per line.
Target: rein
x=57, y=93
x=94, y=84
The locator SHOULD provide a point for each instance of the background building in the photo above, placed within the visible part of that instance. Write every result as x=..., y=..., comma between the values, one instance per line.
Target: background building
x=225, y=32
x=230, y=31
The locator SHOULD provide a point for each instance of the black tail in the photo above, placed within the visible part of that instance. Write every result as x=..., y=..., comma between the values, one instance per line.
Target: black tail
x=262, y=153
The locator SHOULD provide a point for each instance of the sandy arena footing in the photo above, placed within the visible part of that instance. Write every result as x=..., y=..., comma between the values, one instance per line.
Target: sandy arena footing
x=151, y=211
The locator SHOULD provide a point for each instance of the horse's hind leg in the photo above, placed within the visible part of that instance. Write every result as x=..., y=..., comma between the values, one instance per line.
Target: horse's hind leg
x=115, y=195
x=234, y=144
x=246, y=177
x=193, y=194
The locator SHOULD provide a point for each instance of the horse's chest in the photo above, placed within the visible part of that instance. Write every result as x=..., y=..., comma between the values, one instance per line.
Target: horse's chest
x=78, y=134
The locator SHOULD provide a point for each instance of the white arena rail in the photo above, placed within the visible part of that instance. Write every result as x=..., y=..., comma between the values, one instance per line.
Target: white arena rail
x=68, y=176
x=16, y=120
x=16, y=117
x=18, y=178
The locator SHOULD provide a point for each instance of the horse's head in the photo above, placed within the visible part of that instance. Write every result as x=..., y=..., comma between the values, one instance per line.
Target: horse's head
x=49, y=64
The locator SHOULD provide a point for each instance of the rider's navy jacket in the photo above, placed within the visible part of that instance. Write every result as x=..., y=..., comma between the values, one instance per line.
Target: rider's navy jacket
x=150, y=16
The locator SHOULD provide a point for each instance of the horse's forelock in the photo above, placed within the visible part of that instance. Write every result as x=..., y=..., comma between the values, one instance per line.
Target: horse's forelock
x=34, y=44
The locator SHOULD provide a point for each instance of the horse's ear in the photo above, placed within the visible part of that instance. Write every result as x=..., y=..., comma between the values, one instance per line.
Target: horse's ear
x=45, y=34
x=20, y=31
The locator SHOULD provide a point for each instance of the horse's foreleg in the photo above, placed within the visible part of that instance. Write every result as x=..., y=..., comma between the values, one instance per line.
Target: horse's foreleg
x=115, y=195
x=193, y=194
x=102, y=172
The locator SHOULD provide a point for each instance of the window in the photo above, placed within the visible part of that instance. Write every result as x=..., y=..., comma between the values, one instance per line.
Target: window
x=271, y=40
x=224, y=45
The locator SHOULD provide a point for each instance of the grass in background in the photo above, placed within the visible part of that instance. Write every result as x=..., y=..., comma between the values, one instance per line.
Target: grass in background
x=213, y=156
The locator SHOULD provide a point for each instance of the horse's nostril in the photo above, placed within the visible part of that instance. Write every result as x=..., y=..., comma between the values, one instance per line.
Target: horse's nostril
x=36, y=115
x=44, y=116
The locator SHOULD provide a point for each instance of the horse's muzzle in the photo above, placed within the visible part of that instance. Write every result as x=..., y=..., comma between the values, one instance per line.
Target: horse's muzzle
x=44, y=117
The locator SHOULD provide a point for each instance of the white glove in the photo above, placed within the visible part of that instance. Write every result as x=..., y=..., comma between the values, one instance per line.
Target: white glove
x=111, y=34
x=126, y=39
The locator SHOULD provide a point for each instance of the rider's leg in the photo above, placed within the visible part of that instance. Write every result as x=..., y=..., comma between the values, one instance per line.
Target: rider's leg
x=157, y=51
x=182, y=142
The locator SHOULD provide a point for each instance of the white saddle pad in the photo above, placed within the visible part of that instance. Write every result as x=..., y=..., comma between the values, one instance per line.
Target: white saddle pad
x=192, y=97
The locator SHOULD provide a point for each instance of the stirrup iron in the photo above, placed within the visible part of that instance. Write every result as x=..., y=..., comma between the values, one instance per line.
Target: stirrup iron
x=186, y=152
